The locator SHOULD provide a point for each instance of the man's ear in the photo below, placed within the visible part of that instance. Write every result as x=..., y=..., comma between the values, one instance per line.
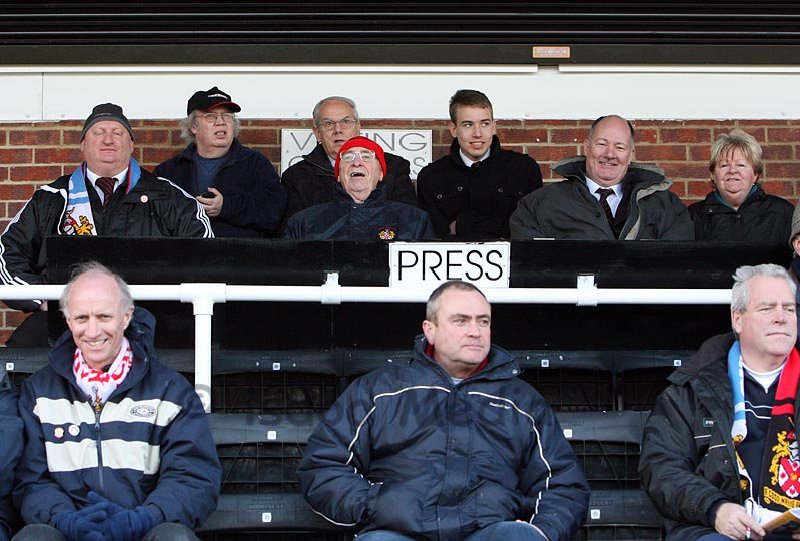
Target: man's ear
x=736, y=321
x=429, y=330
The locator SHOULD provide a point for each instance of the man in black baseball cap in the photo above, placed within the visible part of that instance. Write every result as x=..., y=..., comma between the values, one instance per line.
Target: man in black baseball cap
x=237, y=186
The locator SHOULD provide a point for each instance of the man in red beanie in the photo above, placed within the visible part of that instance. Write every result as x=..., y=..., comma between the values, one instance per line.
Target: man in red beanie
x=360, y=210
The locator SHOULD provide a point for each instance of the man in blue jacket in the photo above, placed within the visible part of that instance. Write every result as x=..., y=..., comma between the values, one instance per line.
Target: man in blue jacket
x=449, y=446
x=117, y=445
x=10, y=450
x=237, y=186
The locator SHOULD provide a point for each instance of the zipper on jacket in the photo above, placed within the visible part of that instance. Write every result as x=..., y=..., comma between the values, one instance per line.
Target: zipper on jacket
x=98, y=408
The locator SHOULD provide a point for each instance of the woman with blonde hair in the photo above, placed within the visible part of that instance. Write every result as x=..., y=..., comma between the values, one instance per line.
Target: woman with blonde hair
x=738, y=208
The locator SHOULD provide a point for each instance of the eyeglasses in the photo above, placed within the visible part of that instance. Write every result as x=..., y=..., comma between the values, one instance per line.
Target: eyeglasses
x=344, y=123
x=211, y=118
x=365, y=155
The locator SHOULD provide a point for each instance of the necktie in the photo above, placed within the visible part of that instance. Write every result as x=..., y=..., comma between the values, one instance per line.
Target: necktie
x=475, y=165
x=604, y=193
x=106, y=185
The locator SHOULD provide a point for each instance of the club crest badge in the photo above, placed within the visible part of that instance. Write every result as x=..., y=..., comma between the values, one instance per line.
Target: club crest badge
x=387, y=233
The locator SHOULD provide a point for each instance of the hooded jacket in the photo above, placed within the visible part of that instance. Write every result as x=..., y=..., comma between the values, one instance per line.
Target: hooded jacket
x=10, y=449
x=566, y=209
x=760, y=218
x=408, y=450
x=150, y=445
x=311, y=181
x=480, y=200
x=375, y=219
x=254, y=199
x=153, y=208
x=688, y=462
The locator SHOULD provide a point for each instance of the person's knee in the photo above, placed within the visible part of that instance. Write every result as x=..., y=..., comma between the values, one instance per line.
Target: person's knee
x=169, y=531
x=38, y=532
x=514, y=531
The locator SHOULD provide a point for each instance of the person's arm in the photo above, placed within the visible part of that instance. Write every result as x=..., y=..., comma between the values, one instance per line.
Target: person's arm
x=676, y=223
x=185, y=215
x=20, y=252
x=189, y=474
x=10, y=449
x=333, y=474
x=262, y=204
x=524, y=222
x=37, y=496
x=426, y=195
x=556, y=494
x=670, y=457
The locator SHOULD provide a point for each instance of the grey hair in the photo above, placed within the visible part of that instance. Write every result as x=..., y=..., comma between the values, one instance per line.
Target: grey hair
x=186, y=125
x=740, y=296
x=433, y=301
x=323, y=101
x=87, y=267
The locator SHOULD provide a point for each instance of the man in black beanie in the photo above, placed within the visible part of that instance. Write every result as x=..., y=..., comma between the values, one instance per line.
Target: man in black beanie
x=107, y=194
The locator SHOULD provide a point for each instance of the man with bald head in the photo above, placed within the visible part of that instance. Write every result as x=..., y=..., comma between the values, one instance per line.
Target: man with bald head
x=360, y=210
x=605, y=196
x=312, y=181
x=117, y=445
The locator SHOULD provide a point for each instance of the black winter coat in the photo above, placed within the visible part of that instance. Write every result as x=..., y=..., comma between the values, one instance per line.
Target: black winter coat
x=253, y=198
x=688, y=462
x=406, y=449
x=311, y=182
x=153, y=208
x=761, y=218
x=480, y=200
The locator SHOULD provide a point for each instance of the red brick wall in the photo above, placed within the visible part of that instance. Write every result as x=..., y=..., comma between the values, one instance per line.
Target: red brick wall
x=35, y=153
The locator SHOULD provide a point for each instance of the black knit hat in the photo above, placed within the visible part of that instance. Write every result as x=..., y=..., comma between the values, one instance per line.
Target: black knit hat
x=106, y=111
x=203, y=100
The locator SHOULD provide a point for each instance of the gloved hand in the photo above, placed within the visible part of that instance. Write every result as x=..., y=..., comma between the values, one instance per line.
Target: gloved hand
x=82, y=525
x=124, y=524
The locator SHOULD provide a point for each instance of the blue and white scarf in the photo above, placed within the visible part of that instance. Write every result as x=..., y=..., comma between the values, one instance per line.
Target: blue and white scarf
x=78, y=220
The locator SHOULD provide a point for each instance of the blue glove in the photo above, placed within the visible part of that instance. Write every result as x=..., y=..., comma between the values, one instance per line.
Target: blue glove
x=124, y=524
x=81, y=525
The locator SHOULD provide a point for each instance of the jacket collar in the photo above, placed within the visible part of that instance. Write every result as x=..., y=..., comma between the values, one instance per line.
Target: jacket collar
x=319, y=159
x=638, y=173
x=456, y=157
x=233, y=155
x=502, y=364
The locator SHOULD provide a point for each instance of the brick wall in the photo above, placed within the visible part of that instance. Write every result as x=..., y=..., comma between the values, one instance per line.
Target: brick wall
x=35, y=153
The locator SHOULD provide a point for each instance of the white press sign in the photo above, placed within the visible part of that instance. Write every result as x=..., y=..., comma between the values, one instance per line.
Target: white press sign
x=413, y=145
x=424, y=264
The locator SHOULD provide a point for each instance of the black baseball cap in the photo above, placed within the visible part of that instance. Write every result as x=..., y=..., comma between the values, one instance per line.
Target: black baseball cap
x=106, y=111
x=204, y=100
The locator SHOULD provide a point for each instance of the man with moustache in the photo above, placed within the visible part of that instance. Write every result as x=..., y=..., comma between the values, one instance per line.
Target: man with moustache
x=719, y=455
x=450, y=444
x=117, y=445
x=605, y=196
x=313, y=180
x=360, y=210
x=237, y=186
x=108, y=194
x=471, y=192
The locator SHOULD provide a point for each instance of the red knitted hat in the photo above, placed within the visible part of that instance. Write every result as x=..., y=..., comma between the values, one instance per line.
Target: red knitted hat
x=360, y=141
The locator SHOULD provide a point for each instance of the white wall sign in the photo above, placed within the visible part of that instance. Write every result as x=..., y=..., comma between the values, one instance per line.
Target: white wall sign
x=425, y=264
x=413, y=145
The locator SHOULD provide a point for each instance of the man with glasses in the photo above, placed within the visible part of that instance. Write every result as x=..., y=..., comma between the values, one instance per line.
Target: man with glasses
x=360, y=210
x=313, y=181
x=237, y=186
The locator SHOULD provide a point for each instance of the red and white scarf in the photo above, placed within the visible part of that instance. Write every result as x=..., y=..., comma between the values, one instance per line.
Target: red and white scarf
x=100, y=384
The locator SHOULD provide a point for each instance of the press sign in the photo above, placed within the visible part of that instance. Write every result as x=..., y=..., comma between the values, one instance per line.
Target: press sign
x=422, y=264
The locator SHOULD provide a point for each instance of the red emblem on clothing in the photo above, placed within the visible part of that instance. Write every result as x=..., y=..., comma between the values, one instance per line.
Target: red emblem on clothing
x=789, y=477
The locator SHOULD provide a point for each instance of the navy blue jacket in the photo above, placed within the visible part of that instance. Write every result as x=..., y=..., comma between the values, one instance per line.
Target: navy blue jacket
x=377, y=218
x=406, y=449
x=10, y=449
x=151, y=444
x=254, y=197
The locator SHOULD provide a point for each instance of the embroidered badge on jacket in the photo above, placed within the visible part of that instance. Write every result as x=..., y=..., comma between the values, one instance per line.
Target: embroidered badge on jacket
x=387, y=233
